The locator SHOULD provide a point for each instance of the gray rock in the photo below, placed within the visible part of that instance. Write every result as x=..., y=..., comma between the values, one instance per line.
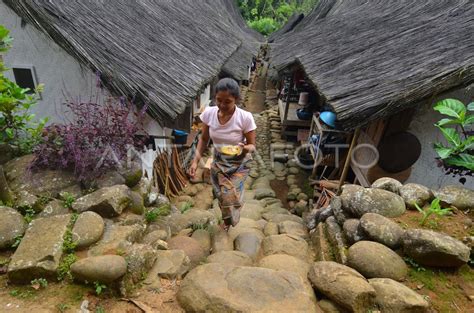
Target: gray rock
x=264, y=193
x=415, y=194
x=117, y=239
x=204, y=238
x=293, y=228
x=434, y=249
x=132, y=173
x=88, y=229
x=107, y=202
x=387, y=183
x=220, y=288
x=248, y=243
x=358, y=201
x=343, y=285
x=190, y=246
x=171, y=264
x=374, y=260
x=330, y=307
x=271, y=229
x=109, y=179
x=154, y=236
x=252, y=211
x=137, y=204
x=222, y=242
x=336, y=238
x=278, y=218
x=42, y=182
x=231, y=258
x=393, y=297
x=381, y=229
x=284, y=262
x=12, y=225
x=40, y=250
x=190, y=218
x=352, y=232
x=26, y=200
x=105, y=269
x=52, y=208
x=301, y=207
x=302, y=197
x=140, y=259
x=457, y=196
x=286, y=244
x=340, y=215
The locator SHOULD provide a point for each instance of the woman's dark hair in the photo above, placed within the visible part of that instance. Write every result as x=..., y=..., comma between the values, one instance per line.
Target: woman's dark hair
x=230, y=85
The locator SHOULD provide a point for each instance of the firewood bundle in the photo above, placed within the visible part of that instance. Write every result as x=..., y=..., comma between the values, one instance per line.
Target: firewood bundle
x=168, y=173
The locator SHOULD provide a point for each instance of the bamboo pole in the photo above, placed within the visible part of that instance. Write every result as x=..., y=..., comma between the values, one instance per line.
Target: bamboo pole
x=355, y=137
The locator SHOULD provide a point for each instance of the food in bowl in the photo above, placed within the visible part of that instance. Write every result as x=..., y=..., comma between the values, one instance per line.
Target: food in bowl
x=231, y=150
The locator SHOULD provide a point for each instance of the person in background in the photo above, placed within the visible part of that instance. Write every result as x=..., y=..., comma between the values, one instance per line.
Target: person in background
x=227, y=125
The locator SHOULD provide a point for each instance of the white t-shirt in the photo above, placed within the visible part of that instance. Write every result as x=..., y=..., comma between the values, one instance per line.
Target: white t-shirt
x=232, y=132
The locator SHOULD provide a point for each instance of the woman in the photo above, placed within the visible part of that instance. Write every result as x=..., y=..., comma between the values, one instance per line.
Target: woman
x=226, y=124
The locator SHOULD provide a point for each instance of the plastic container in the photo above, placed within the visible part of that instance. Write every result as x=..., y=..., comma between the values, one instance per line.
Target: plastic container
x=180, y=136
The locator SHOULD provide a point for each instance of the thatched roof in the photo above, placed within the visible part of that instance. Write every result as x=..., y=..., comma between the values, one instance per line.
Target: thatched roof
x=371, y=59
x=162, y=52
x=237, y=64
x=289, y=25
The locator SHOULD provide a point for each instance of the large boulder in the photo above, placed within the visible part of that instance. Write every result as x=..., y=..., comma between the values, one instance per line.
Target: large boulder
x=457, y=196
x=204, y=238
x=88, y=229
x=394, y=297
x=342, y=285
x=430, y=248
x=221, y=241
x=374, y=260
x=117, y=239
x=12, y=226
x=54, y=207
x=358, y=201
x=177, y=222
x=40, y=250
x=286, y=244
x=381, y=229
x=171, y=264
x=251, y=210
x=293, y=228
x=387, y=183
x=221, y=288
x=264, y=193
x=37, y=182
x=108, y=202
x=284, y=262
x=248, y=243
x=190, y=246
x=230, y=258
x=352, y=232
x=104, y=269
x=140, y=259
x=415, y=194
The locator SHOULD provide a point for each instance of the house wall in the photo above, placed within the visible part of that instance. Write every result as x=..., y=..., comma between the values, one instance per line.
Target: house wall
x=63, y=76
x=425, y=170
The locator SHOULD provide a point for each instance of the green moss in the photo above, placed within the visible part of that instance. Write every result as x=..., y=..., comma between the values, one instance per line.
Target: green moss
x=153, y=214
x=467, y=273
x=425, y=277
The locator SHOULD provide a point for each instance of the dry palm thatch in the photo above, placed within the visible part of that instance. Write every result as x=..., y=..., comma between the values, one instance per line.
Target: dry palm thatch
x=160, y=52
x=294, y=20
x=371, y=59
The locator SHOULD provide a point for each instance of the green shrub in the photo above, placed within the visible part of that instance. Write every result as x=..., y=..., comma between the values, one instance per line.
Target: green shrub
x=18, y=127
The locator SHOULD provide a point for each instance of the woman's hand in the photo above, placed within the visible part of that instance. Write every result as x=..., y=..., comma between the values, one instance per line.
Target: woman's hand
x=193, y=168
x=246, y=148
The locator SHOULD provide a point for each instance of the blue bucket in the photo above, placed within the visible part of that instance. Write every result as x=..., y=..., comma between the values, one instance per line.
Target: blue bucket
x=180, y=136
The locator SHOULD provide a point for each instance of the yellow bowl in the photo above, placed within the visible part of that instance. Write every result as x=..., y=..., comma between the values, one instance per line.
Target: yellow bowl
x=231, y=150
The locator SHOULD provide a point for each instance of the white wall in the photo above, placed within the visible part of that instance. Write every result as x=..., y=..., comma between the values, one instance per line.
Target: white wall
x=425, y=170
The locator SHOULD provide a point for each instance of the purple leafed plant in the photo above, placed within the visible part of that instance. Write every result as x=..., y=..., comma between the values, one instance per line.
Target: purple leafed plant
x=98, y=135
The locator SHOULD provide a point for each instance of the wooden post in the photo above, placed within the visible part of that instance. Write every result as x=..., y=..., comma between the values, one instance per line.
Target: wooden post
x=355, y=137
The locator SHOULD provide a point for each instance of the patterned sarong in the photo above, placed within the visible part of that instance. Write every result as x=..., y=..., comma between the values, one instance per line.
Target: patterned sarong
x=228, y=176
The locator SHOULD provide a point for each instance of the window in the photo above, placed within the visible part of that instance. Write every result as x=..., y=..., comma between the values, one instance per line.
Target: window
x=25, y=77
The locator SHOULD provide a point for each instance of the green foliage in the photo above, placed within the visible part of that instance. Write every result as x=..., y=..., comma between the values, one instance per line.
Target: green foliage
x=39, y=283
x=18, y=127
x=186, y=207
x=69, y=245
x=63, y=307
x=99, y=309
x=153, y=214
x=21, y=293
x=17, y=241
x=69, y=199
x=266, y=16
x=64, y=268
x=29, y=214
x=435, y=208
x=99, y=287
x=459, y=151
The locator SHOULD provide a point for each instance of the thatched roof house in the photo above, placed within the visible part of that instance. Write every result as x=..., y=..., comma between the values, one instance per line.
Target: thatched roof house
x=371, y=59
x=294, y=20
x=160, y=52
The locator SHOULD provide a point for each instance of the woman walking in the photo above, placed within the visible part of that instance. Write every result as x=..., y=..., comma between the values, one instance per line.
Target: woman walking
x=232, y=131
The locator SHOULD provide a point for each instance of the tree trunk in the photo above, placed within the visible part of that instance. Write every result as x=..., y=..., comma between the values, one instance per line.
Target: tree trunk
x=5, y=192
